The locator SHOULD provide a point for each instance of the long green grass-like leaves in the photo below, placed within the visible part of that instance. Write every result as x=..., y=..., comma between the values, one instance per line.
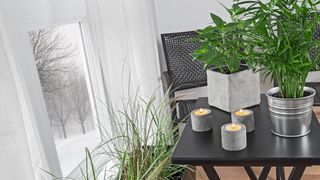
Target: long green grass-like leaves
x=140, y=144
x=142, y=139
x=280, y=39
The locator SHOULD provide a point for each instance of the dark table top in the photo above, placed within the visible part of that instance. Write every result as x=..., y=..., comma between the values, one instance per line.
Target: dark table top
x=263, y=147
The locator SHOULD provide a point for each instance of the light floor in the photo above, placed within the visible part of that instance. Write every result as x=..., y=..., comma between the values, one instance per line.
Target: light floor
x=238, y=173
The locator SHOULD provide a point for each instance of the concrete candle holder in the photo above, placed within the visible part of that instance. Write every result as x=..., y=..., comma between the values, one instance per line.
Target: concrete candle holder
x=201, y=120
x=233, y=136
x=245, y=117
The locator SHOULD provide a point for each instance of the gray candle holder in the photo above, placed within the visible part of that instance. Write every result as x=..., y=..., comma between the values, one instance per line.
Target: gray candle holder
x=234, y=140
x=201, y=123
x=247, y=120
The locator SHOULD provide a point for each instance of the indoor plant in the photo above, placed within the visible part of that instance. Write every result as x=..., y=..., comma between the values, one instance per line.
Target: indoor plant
x=140, y=144
x=281, y=39
x=231, y=85
x=142, y=140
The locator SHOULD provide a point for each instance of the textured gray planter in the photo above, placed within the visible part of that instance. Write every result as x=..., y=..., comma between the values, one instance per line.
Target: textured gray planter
x=290, y=117
x=231, y=92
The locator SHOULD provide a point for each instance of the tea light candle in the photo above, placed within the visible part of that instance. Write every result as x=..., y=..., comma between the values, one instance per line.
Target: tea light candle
x=201, y=120
x=244, y=116
x=233, y=136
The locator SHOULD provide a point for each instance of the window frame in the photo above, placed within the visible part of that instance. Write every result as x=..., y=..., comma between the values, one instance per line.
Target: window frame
x=93, y=74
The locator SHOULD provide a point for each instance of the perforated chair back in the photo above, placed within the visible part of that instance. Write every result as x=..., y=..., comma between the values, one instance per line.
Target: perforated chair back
x=183, y=71
x=315, y=85
x=316, y=35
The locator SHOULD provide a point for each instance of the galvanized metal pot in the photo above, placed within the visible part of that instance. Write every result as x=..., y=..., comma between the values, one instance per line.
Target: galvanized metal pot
x=290, y=117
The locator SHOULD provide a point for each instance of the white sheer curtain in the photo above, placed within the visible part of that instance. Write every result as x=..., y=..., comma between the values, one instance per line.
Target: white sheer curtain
x=22, y=131
x=124, y=35
x=15, y=159
x=124, y=32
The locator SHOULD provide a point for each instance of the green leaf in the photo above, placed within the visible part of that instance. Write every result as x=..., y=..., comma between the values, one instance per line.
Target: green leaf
x=227, y=9
x=217, y=20
x=245, y=2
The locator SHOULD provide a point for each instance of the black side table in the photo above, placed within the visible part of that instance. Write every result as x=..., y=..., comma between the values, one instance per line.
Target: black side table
x=263, y=148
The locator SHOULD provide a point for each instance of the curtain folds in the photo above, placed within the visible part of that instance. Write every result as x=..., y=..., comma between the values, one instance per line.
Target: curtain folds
x=16, y=161
x=124, y=33
x=124, y=37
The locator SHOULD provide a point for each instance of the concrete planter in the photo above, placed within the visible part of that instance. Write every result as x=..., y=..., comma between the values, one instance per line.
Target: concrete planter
x=230, y=92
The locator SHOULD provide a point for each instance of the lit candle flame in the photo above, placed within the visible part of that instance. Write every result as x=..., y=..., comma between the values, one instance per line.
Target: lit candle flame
x=233, y=127
x=242, y=112
x=201, y=112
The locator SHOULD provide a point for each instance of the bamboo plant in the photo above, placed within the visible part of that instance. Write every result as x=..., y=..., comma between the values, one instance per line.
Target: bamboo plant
x=280, y=39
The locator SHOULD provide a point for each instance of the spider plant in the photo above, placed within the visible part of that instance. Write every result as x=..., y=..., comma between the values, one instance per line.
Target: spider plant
x=142, y=140
x=281, y=40
x=139, y=146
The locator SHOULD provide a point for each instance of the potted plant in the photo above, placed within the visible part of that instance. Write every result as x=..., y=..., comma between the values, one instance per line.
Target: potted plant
x=231, y=84
x=142, y=140
x=281, y=39
x=140, y=145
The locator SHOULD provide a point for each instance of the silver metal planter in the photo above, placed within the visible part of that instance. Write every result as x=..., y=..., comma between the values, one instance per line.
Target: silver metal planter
x=290, y=117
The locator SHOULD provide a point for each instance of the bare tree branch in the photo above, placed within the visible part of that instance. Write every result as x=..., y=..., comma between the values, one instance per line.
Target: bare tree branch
x=51, y=51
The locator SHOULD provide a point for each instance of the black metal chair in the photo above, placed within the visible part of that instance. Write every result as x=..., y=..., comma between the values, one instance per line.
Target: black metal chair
x=315, y=85
x=182, y=72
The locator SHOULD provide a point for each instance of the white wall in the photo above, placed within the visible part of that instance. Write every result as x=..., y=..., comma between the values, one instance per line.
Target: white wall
x=186, y=15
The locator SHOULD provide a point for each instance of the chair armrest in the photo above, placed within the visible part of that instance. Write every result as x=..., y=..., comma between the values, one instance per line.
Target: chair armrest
x=316, y=86
x=166, y=81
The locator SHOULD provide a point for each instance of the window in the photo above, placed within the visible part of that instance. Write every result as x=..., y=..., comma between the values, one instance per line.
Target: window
x=61, y=62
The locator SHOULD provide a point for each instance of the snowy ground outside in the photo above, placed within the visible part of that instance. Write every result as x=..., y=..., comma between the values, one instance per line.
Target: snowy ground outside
x=71, y=150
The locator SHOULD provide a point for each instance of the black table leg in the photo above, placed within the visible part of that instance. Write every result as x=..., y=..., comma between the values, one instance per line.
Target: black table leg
x=280, y=173
x=297, y=172
x=211, y=172
x=264, y=173
x=250, y=172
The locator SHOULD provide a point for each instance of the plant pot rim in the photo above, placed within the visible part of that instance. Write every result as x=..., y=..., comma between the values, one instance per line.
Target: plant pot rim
x=213, y=69
x=274, y=90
